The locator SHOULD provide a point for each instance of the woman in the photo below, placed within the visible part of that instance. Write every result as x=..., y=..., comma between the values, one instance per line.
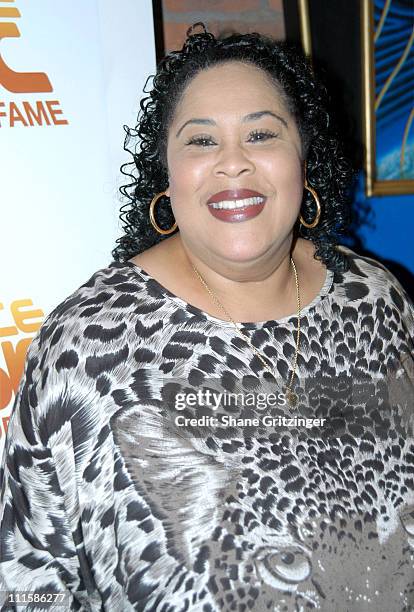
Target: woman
x=115, y=492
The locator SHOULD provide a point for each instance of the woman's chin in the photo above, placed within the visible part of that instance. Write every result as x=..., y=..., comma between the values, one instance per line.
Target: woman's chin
x=243, y=256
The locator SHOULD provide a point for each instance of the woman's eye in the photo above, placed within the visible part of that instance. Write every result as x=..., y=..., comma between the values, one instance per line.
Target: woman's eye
x=200, y=140
x=256, y=136
x=259, y=135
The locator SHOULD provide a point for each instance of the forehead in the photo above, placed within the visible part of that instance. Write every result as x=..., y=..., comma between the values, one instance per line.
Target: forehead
x=230, y=85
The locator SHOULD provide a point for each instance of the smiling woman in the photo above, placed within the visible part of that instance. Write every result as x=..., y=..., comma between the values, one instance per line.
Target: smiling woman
x=243, y=165
x=113, y=498
x=283, y=106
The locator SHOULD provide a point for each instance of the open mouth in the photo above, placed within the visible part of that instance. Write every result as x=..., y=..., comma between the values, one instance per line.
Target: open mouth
x=235, y=211
x=237, y=204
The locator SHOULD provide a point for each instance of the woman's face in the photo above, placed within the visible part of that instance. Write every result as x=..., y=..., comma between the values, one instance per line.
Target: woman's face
x=232, y=142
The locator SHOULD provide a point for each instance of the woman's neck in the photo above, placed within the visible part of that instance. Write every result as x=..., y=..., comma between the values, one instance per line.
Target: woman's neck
x=254, y=291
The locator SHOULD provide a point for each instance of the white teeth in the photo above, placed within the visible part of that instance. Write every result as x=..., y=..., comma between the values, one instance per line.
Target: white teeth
x=230, y=204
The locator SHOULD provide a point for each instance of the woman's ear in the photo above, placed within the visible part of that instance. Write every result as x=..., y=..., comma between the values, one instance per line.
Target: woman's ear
x=167, y=191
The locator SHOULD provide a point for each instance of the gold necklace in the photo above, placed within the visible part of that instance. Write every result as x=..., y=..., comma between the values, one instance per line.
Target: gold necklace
x=291, y=396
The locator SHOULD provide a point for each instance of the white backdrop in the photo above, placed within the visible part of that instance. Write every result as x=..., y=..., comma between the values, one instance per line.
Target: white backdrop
x=60, y=153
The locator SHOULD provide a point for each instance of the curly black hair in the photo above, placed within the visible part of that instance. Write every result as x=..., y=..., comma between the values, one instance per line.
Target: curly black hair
x=327, y=169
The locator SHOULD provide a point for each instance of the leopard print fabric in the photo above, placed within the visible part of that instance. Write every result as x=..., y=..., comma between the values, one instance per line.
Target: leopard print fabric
x=105, y=499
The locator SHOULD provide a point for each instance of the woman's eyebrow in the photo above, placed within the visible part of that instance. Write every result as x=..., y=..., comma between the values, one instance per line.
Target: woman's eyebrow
x=249, y=117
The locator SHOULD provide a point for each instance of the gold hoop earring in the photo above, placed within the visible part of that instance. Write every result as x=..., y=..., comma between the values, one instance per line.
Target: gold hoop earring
x=318, y=207
x=152, y=217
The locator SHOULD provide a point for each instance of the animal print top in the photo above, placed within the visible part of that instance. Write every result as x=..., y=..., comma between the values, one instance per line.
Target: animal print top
x=110, y=501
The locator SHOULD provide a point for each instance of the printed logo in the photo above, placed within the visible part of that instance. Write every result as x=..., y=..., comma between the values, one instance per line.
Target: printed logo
x=18, y=324
x=23, y=113
x=18, y=82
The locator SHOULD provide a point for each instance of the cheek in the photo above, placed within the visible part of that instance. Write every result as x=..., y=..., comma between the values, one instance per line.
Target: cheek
x=187, y=176
x=289, y=174
x=291, y=189
x=285, y=173
x=285, y=166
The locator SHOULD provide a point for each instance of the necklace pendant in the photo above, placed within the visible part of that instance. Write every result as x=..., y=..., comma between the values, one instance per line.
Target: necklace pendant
x=291, y=398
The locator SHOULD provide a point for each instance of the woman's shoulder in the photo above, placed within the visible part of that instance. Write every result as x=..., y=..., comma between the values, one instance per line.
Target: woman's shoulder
x=99, y=311
x=367, y=279
x=370, y=272
x=108, y=291
x=89, y=338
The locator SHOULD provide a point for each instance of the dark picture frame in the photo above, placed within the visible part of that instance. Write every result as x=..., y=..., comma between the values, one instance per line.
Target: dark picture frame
x=387, y=42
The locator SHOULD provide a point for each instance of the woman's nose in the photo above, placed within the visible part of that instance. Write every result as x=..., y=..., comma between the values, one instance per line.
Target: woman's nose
x=233, y=161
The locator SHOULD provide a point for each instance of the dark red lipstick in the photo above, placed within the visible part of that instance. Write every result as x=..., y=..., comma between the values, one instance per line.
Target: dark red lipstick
x=235, y=205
